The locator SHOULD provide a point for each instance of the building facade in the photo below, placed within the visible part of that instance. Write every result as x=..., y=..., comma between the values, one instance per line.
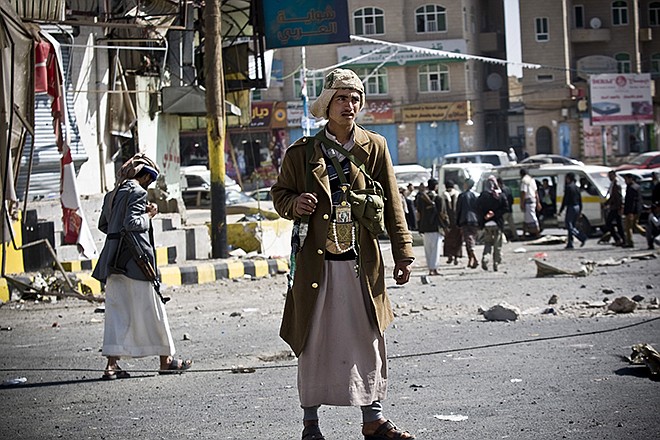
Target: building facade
x=426, y=105
x=573, y=40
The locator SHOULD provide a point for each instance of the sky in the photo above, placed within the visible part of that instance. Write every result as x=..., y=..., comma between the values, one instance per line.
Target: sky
x=512, y=24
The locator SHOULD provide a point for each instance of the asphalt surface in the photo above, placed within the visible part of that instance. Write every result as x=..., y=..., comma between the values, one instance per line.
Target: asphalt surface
x=453, y=375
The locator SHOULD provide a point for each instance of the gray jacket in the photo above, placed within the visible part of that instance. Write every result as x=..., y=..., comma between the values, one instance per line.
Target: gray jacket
x=126, y=210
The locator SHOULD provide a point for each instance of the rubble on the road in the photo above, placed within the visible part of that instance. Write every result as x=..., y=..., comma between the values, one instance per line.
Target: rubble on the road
x=645, y=354
x=546, y=270
x=502, y=312
x=622, y=304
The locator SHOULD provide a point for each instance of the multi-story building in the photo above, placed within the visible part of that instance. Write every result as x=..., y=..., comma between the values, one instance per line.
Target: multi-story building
x=573, y=39
x=425, y=104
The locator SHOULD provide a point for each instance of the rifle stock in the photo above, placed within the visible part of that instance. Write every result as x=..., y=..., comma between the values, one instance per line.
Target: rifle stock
x=142, y=260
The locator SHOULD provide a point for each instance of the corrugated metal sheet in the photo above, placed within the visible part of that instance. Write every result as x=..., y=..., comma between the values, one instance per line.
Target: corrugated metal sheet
x=40, y=9
x=45, y=177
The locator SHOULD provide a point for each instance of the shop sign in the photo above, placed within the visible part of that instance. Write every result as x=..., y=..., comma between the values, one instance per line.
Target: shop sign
x=305, y=23
x=440, y=111
x=261, y=114
x=621, y=98
x=377, y=111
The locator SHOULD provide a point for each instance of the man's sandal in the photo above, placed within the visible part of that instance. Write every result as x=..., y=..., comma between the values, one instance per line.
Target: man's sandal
x=177, y=366
x=312, y=432
x=115, y=373
x=388, y=428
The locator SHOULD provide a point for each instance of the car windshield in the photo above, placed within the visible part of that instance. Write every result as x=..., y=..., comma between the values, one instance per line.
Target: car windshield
x=235, y=197
x=414, y=177
x=602, y=182
x=639, y=160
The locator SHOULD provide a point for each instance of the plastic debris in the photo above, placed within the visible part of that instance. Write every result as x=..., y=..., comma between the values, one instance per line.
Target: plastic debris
x=14, y=381
x=451, y=417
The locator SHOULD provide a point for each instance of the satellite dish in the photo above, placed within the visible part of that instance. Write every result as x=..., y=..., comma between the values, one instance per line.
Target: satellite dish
x=494, y=81
x=595, y=23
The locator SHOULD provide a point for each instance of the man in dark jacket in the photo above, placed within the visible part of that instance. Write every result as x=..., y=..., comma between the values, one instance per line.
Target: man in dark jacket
x=508, y=214
x=491, y=207
x=467, y=220
x=614, y=207
x=632, y=208
x=573, y=204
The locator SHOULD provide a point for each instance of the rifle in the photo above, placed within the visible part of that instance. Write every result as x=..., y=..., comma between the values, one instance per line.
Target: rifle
x=142, y=260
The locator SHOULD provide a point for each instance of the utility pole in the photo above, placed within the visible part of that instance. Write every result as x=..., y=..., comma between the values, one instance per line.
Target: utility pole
x=215, y=125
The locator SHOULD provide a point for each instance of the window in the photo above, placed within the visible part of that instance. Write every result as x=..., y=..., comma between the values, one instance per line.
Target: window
x=314, y=84
x=654, y=14
x=375, y=82
x=619, y=13
x=623, y=62
x=431, y=18
x=655, y=65
x=433, y=78
x=542, y=29
x=369, y=21
x=545, y=78
x=578, y=16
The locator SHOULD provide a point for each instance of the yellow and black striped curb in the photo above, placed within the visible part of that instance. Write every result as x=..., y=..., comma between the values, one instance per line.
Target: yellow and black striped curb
x=198, y=273
x=164, y=256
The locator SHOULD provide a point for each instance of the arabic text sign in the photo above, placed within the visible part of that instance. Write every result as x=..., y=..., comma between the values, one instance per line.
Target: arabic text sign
x=440, y=111
x=305, y=22
x=619, y=99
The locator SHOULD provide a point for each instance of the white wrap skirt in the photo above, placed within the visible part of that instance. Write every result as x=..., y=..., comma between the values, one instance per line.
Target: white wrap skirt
x=135, y=320
x=344, y=362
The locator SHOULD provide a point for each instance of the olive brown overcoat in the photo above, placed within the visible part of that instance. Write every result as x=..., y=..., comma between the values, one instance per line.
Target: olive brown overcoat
x=371, y=149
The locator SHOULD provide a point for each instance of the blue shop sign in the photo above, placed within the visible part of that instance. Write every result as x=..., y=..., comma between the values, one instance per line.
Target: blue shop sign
x=305, y=22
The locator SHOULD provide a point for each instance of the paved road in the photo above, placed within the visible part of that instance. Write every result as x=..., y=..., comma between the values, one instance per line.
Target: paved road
x=452, y=374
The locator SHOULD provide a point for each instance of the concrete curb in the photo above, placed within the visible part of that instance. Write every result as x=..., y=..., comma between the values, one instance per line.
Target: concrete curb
x=200, y=272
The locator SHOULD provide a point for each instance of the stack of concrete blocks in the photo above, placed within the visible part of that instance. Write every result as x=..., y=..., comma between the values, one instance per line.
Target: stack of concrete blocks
x=191, y=242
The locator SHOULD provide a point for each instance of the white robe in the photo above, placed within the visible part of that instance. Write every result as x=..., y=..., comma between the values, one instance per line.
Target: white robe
x=135, y=320
x=344, y=362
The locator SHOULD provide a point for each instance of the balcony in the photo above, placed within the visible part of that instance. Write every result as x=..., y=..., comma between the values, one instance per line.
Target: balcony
x=590, y=35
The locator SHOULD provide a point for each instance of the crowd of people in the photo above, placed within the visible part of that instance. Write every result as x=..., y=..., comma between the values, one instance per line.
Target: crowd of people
x=453, y=219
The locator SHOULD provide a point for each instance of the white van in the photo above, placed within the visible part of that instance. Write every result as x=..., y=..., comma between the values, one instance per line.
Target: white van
x=592, y=180
x=460, y=172
x=493, y=157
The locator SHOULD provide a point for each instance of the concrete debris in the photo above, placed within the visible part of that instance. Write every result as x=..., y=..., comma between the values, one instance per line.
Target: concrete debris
x=622, y=304
x=645, y=354
x=638, y=298
x=553, y=299
x=549, y=239
x=240, y=369
x=546, y=270
x=644, y=256
x=281, y=356
x=502, y=312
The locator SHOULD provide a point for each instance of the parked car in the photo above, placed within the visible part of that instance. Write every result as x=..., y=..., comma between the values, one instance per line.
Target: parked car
x=647, y=160
x=460, y=172
x=493, y=157
x=551, y=158
x=196, y=184
x=414, y=174
x=261, y=194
